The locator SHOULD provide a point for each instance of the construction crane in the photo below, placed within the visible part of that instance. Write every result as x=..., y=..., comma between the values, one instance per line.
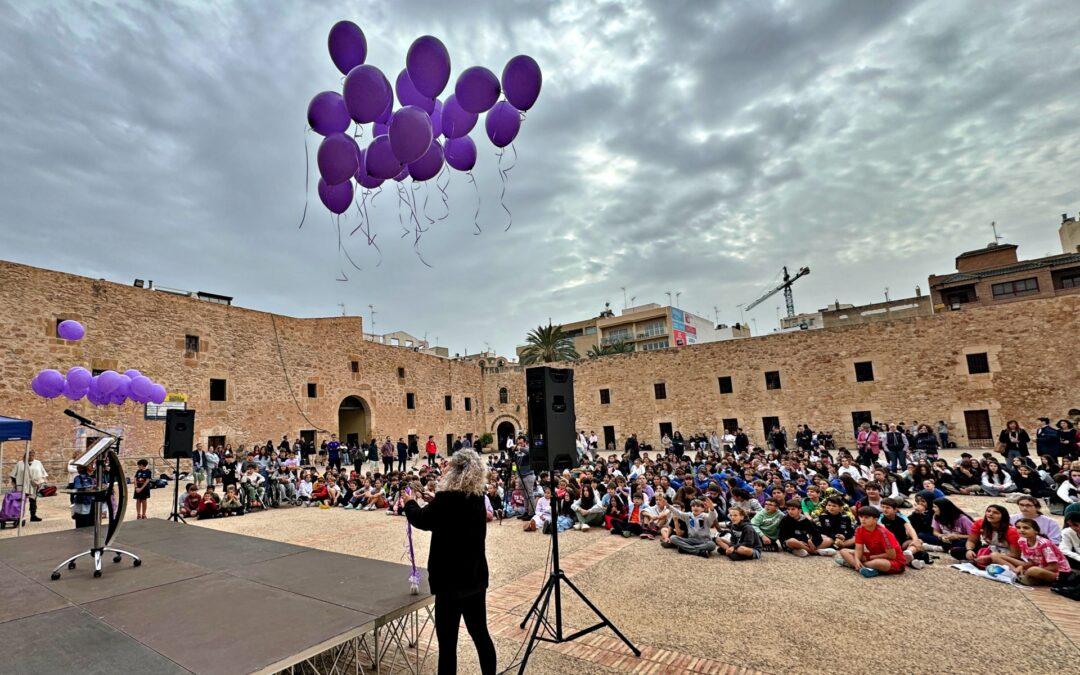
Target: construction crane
x=786, y=288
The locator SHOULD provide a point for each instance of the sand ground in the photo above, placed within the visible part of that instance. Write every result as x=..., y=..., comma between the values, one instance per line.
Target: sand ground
x=780, y=614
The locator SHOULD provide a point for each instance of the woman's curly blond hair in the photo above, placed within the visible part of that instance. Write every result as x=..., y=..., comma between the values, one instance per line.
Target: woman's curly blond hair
x=465, y=472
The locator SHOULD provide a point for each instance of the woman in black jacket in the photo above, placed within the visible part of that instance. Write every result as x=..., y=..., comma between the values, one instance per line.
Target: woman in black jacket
x=457, y=564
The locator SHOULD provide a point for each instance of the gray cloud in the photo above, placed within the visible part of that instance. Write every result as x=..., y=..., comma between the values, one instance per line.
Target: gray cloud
x=694, y=147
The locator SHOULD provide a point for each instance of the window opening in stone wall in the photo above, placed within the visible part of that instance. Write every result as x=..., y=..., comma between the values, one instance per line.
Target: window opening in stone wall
x=312, y=390
x=725, y=384
x=217, y=390
x=660, y=390
x=191, y=344
x=448, y=401
x=605, y=396
x=772, y=379
x=468, y=404
x=864, y=371
x=354, y=366
x=504, y=395
x=410, y=400
x=978, y=363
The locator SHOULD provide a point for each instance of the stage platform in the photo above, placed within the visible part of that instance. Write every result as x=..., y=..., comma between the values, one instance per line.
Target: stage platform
x=205, y=601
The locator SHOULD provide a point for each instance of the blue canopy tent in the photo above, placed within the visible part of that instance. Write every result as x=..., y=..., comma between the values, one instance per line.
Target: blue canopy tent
x=13, y=429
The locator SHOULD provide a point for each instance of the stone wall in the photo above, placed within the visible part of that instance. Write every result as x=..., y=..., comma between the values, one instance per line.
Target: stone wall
x=129, y=327
x=919, y=365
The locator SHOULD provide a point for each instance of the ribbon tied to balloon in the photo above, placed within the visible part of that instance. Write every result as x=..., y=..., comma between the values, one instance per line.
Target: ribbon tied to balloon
x=423, y=138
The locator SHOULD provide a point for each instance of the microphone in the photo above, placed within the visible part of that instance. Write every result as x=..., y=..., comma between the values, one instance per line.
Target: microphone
x=82, y=420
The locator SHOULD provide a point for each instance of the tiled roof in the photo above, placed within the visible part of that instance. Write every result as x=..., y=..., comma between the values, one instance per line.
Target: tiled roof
x=985, y=249
x=1039, y=263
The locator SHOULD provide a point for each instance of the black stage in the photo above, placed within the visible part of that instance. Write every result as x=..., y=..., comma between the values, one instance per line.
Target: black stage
x=203, y=601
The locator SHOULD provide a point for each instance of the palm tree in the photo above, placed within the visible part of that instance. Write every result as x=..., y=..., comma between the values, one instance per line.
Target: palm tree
x=616, y=348
x=546, y=344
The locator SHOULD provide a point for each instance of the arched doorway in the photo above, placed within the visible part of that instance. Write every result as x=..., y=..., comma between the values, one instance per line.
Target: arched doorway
x=354, y=420
x=503, y=431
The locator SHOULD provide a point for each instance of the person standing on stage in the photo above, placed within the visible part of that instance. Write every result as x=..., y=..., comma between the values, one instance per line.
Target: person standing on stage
x=457, y=563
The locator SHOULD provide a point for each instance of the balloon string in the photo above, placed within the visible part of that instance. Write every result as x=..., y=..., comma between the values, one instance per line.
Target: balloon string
x=307, y=179
x=417, y=228
x=360, y=212
x=365, y=223
x=427, y=192
x=401, y=200
x=442, y=188
x=335, y=222
x=476, y=216
x=345, y=251
x=504, y=175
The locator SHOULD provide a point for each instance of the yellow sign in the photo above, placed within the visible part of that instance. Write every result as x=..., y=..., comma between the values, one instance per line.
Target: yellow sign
x=176, y=398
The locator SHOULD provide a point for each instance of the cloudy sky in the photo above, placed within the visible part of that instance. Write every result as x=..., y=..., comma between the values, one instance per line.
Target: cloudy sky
x=693, y=147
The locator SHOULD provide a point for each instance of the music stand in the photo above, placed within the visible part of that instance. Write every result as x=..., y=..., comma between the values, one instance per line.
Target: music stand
x=101, y=453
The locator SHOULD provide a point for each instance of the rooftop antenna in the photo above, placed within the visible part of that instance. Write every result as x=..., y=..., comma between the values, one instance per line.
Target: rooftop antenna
x=742, y=313
x=886, y=294
x=677, y=294
x=716, y=314
x=342, y=306
x=668, y=294
x=997, y=237
x=632, y=299
x=372, y=308
x=624, y=305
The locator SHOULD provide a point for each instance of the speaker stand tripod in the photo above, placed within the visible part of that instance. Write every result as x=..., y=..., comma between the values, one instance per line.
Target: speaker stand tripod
x=175, y=515
x=552, y=589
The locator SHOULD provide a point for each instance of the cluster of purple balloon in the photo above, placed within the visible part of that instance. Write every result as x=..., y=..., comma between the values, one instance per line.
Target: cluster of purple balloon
x=405, y=142
x=108, y=388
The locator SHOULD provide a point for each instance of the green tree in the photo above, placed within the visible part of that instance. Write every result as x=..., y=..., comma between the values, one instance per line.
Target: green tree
x=546, y=344
x=616, y=348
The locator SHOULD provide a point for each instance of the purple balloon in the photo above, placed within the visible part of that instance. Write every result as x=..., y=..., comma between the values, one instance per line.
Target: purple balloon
x=50, y=383
x=158, y=394
x=388, y=112
x=380, y=160
x=116, y=398
x=124, y=386
x=108, y=381
x=140, y=387
x=436, y=119
x=70, y=330
x=96, y=397
x=502, y=124
x=380, y=129
x=79, y=378
x=348, y=46
x=327, y=114
x=410, y=133
x=455, y=121
x=403, y=175
x=461, y=153
x=408, y=95
x=429, y=164
x=366, y=93
x=73, y=393
x=132, y=373
x=363, y=178
x=477, y=89
x=337, y=198
x=428, y=64
x=521, y=80
x=337, y=158
x=38, y=387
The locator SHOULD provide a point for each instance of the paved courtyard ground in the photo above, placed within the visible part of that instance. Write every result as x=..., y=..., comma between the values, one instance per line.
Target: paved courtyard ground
x=779, y=615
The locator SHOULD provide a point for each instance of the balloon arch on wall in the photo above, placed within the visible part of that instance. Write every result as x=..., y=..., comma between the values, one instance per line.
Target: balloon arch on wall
x=420, y=141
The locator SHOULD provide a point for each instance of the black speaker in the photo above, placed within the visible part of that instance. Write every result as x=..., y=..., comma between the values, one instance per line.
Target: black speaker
x=179, y=433
x=552, y=437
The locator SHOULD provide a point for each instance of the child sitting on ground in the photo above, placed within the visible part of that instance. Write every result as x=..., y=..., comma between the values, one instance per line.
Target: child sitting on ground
x=767, y=524
x=189, y=505
x=543, y=513
x=654, y=518
x=743, y=542
x=798, y=534
x=893, y=521
x=698, y=522
x=631, y=525
x=876, y=549
x=208, y=507
x=836, y=526
x=230, y=503
x=1040, y=562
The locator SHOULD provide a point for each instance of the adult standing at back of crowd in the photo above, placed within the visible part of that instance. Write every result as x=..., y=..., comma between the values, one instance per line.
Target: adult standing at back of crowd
x=457, y=562
x=926, y=444
x=211, y=459
x=742, y=441
x=431, y=449
x=1013, y=441
x=1069, y=440
x=527, y=476
x=387, y=454
x=1046, y=438
x=633, y=448
x=943, y=433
